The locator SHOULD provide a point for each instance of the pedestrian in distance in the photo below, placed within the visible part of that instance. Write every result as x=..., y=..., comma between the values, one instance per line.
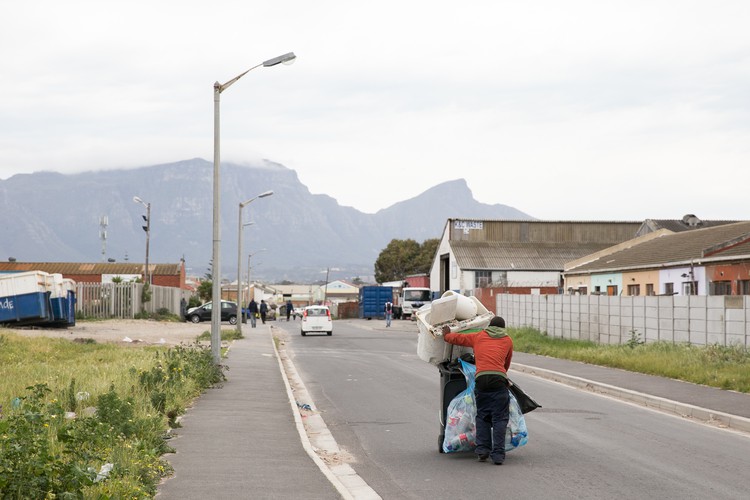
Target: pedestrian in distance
x=252, y=309
x=388, y=313
x=183, y=309
x=263, y=311
x=493, y=350
x=289, y=307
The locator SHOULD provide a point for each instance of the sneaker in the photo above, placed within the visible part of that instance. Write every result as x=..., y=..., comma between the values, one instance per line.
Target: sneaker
x=497, y=463
x=482, y=458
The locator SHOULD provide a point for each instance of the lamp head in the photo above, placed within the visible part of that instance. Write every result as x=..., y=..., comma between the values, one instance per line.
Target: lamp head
x=267, y=193
x=285, y=59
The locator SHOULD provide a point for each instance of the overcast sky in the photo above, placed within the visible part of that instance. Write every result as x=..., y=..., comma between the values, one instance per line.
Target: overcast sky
x=574, y=110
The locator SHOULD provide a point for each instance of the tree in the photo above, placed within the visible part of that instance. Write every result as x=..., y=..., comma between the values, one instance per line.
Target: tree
x=404, y=257
x=205, y=290
x=426, y=255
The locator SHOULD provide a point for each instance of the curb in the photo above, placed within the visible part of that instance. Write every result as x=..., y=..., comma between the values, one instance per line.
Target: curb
x=734, y=422
x=343, y=477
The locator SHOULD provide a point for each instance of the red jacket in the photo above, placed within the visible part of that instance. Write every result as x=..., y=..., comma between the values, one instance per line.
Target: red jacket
x=493, y=349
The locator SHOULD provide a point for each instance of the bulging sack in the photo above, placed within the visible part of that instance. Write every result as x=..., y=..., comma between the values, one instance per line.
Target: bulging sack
x=460, y=424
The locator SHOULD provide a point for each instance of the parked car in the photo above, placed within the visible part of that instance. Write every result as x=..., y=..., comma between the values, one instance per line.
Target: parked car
x=316, y=319
x=203, y=312
x=297, y=312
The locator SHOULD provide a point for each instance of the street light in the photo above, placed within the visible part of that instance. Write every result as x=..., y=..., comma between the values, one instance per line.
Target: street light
x=239, y=251
x=248, y=267
x=216, y=271
x=239, y=283
x=147, y=228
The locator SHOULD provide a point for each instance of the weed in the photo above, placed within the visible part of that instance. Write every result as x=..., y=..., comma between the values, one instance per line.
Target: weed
x=51, y=446
x=226, y=335
x=634, y=340
x=713, y=365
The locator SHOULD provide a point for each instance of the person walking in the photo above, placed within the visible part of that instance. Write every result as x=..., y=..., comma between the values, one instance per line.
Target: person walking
x=183, y=309
x=493, y=350
x=252, y=309
x=289, y=307
x=388, y=313
x=263, y=311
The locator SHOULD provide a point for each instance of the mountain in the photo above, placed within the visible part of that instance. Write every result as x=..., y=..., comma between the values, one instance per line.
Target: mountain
x=298, y=235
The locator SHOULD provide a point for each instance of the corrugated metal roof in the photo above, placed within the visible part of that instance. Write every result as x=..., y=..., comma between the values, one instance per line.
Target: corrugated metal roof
x=675, y=248
x=91, y=268
x=684, y=224
x=519, y=256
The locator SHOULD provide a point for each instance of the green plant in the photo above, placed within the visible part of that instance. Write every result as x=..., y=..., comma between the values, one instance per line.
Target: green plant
x=634, y=340
x=226, y=335
x=53, y=443
x=146, y=293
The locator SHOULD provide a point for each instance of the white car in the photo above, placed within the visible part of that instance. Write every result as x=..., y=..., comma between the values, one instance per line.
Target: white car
x=316, y=319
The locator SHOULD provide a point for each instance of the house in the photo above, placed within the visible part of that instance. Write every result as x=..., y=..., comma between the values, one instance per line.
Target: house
x=169, y=275
x=335, y=292
x=709, y=260
x=486, y=257
x=300, y=295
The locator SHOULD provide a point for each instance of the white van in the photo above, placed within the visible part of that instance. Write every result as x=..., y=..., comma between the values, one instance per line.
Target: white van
x=316, y=319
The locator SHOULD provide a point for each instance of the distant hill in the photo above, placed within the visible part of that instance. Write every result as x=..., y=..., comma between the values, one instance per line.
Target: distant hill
x=55, y=217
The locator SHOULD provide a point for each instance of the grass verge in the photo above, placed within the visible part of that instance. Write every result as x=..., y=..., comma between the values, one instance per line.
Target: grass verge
x=713, y=365
x=87, y=420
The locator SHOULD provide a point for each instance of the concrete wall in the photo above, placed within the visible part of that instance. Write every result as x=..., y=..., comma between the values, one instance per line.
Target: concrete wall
x=702, y=320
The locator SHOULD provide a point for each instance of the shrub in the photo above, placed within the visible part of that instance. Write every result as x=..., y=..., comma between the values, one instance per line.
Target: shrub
x=54, y=447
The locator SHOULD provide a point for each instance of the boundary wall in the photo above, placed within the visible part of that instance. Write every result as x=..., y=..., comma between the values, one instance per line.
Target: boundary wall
x=694, y=319
x=123, y=300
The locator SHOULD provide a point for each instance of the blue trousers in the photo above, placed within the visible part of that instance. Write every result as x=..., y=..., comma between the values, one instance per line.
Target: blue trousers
x=492, y=421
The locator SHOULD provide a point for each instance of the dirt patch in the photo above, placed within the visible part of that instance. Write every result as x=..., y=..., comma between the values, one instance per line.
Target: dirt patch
x=123, y=331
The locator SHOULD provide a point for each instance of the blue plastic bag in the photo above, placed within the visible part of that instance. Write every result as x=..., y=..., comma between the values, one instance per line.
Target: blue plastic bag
x=516, y=434
x=460, y=424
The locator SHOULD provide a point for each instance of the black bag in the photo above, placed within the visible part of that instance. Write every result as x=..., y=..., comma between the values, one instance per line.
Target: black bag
x=524, y=401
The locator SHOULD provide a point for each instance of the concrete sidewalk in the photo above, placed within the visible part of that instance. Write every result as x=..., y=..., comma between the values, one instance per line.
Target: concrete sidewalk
x=241, y=440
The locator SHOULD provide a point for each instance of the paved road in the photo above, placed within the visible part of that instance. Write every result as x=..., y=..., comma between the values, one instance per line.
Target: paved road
x=381, y=403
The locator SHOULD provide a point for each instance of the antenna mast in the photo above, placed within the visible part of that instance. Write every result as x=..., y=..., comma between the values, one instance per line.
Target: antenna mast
x=103, y=223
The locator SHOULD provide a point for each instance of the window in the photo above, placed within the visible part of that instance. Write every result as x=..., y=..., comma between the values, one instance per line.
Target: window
x=649, y=289
x=721, y=288
x=743, y=287
x=482, y=279
x=501, y=278
x=668, y=288
x=634, y=290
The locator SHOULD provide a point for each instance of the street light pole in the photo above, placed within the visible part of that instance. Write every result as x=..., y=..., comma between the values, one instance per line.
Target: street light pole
x=240, y=294
x=147, y=228
x=216, y=260
x=248, y=267
x=240, y=225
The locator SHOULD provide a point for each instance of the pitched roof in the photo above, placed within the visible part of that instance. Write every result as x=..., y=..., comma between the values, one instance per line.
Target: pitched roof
x=483, y=255
x=711, y=243
x=91, y=268
x=688, y=222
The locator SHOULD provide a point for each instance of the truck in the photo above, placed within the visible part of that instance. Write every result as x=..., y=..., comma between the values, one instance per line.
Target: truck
x=372, y=301
x=411, y=299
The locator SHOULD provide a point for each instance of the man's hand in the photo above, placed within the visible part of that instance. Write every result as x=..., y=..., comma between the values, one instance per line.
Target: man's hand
x=446, y=329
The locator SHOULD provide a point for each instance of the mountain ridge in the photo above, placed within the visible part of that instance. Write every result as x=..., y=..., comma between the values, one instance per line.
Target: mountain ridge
x=55, y=217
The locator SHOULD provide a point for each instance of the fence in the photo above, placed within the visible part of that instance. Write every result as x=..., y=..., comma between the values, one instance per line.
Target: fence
x=702, y=320
x=123, y=300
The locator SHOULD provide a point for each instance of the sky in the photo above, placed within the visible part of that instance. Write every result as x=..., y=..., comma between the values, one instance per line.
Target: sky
x=575, y=110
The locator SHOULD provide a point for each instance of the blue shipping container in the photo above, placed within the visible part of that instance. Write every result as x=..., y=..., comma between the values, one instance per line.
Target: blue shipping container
x=25, y=309
x=372, y=301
